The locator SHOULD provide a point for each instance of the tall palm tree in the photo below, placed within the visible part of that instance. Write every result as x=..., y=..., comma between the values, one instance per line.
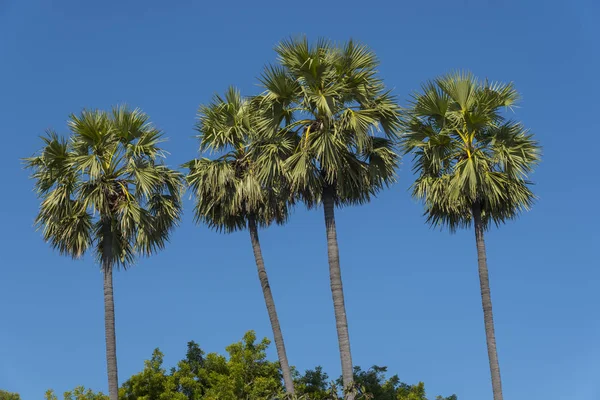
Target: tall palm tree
x=472, y=165
x=229, y=197
x=345, y=123
x=105, y=189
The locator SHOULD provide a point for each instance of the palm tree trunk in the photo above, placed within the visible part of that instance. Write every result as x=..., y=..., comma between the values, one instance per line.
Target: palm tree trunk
x=109, y=316
x=266, y=288
x=486, y=301
x=337, y=291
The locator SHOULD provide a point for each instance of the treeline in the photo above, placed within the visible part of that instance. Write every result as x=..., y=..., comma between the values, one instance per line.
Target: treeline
x=244, y=374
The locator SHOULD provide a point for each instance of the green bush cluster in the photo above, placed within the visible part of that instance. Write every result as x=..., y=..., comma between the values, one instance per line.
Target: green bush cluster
x=245, y=373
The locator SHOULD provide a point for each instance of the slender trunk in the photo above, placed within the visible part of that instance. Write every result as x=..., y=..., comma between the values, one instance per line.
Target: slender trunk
x=486, y=301
x=109, y=315
x=337, y=291
x=266, y=288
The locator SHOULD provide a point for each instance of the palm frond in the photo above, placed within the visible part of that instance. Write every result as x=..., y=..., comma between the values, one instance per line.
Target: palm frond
x=224, y=122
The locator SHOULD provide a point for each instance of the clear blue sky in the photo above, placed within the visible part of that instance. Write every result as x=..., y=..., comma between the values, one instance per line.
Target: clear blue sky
x=412, y=293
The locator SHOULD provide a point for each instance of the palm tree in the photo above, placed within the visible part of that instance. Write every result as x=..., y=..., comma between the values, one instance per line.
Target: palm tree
x=472, y=165
x=345, y=123
x=229, y=197
x=105, y=189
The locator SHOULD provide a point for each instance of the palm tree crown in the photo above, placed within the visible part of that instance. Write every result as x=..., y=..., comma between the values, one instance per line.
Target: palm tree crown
x=106, y=184
x=344, y=120
x=467, y=153
x=227, y=188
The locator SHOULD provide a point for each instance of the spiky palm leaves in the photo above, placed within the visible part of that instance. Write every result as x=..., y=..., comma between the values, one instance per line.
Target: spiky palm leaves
x=344, y=119
x=467, y=153
x=227, y=189
x=229, y=194
x=106, y=177
x=343, y=122
x=472, y=165
x=105, y=188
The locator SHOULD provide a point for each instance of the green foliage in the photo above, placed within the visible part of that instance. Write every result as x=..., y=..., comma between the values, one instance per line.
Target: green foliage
x=373, y=382
x=152, y=383
x=340, y=120
x=249, y=374
x=4, y=395
x=105, y=187
x=79, y=393
x=369, y=384
x=245, y=374
x=314, y=384
x=227, y=189
x=467, y=153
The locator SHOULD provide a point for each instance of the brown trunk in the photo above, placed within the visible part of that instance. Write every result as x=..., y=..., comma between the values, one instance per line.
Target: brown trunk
x=266, y=288
x=486, y=301
x=337, y=291
x=109, y=315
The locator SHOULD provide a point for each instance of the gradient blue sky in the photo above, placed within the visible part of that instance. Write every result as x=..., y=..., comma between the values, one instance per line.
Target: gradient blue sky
x=412, y=293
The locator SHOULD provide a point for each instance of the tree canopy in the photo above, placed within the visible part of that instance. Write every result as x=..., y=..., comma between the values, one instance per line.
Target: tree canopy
x=467, y=152
x=106, y=185
x=245, y=373
x=343, y=121
x=227, y=188
x=4, y=395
